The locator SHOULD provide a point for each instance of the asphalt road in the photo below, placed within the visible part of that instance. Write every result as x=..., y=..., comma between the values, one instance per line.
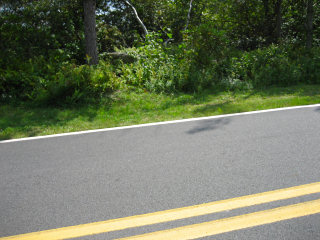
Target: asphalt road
x=70, y=180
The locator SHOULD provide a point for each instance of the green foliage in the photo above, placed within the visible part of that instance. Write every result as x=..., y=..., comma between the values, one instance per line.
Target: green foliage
x=163, y=69
x=228, y=44
x=109, y=38
x=125, y=108
x=56, y=82
x=157, y=69
x=208, y=43
x=29, y=29
x=205, y=47
x=275, y=65
x=23, y=78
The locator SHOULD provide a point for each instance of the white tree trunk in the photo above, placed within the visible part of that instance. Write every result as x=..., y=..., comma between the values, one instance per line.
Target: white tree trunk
x=137, y=17
x=189, y=15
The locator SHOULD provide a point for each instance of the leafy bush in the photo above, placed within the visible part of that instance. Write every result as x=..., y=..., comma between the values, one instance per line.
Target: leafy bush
x=57, y=82
x=175, y=68
x=73, y=84
x=208, y=44
x=275, y=65
x=157, y=68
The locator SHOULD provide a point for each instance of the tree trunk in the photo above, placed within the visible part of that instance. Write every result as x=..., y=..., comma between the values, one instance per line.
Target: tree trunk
x=189, y=15
x=267, y=22
x=309, y=23
x=266, y=9
x=278, y=20
x=89, y=7
x=137, y=17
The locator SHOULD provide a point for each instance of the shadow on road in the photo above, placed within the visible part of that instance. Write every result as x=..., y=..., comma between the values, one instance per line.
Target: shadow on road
x=209, y=125
x=317, y=109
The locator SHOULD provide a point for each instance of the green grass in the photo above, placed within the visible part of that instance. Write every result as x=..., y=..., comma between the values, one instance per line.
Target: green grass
x=127, y=108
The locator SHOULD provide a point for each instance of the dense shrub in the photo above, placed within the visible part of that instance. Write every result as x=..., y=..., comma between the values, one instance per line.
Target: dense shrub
x=274, y=65
x=54, y=81
x=159, y=68
x=73, y=84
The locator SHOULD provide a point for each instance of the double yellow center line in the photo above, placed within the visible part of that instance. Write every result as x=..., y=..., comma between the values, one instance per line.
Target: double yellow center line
x=196, y=230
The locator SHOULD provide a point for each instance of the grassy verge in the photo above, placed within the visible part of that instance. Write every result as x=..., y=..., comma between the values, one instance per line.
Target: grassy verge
x=127, y=108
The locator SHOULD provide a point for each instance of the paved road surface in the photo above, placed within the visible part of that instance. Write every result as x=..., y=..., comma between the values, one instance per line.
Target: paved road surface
x=70, y=180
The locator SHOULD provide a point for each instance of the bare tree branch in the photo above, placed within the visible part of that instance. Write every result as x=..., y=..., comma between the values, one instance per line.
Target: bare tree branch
x=189, y=14
x=137, y=17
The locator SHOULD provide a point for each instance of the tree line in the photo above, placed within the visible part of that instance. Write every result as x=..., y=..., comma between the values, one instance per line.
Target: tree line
x=202, y=35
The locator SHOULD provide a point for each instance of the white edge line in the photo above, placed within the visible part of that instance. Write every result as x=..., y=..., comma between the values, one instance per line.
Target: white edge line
x=157, y=123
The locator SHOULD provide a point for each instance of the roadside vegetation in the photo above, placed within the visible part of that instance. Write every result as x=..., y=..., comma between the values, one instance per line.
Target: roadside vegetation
x=125, y=108
x=165, y=60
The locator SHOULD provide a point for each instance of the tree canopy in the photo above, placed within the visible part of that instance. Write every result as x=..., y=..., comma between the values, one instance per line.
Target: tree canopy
x=197, y=32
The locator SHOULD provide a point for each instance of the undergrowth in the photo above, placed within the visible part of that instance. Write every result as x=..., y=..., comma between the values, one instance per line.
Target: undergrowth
x=185, y=67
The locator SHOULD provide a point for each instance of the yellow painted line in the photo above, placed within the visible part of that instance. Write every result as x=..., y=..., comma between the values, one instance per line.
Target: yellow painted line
x=233, y=223
x=168, y=215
